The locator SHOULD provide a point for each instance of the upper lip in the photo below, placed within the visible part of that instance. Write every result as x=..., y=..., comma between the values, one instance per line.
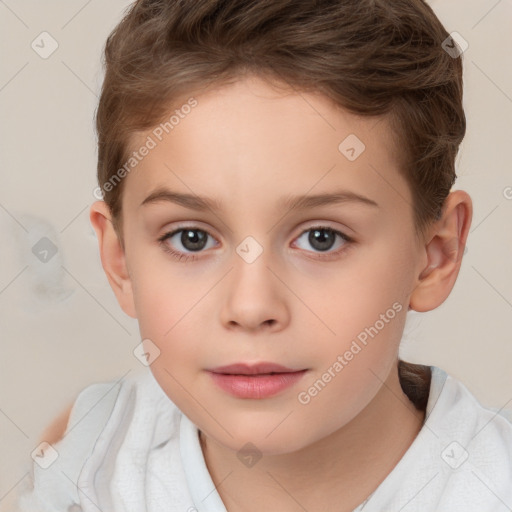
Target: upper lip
x=253, y=369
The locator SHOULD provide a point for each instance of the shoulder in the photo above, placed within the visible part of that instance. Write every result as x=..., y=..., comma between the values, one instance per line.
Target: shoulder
x=461, y=457
x=458, y=399
x=67, y=443
x=58, y=427
x=54, y=432
x=476, y=439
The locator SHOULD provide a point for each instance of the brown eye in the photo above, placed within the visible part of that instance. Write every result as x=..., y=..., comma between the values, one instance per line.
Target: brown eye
x=185, y=241
x=193, y=239
x=323, y=238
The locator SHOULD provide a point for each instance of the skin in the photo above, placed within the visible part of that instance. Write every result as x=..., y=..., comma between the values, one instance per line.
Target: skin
x=248, y=145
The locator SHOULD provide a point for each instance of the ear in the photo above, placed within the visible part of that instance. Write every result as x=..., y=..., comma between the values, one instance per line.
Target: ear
x=112, y=256
x=447, y=239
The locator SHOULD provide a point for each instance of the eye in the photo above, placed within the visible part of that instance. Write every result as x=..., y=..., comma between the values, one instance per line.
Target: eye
x=323, y=238
x=194, y=240
x=191, y=239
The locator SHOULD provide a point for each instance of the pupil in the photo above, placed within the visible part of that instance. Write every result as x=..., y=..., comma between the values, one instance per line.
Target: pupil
x=193, y=239
x=319, y=241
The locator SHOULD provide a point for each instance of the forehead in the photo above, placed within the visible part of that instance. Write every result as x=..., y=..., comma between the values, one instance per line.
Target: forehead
x=250, y=141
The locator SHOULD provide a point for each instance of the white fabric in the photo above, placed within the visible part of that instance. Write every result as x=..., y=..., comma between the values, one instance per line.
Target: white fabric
x=128, y=448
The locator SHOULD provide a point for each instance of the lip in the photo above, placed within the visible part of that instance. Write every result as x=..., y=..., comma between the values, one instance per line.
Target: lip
x=252, y=369
x=255, y=381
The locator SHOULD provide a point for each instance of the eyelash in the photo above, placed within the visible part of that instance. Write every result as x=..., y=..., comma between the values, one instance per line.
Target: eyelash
x=180, y=256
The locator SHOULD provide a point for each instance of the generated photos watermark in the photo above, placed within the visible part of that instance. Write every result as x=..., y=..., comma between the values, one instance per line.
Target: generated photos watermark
x=150, y=143
x=305, y=397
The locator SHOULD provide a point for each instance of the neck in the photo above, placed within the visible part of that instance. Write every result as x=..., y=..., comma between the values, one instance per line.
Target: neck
x=336, y=473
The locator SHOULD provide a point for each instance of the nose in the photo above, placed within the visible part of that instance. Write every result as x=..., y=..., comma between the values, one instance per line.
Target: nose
x=254, y=297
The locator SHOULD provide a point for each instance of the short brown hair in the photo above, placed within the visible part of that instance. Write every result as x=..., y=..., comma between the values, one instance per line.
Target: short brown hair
x=371, y=57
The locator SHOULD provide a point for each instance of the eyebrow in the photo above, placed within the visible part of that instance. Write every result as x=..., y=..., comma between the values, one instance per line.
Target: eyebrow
x=200, y=203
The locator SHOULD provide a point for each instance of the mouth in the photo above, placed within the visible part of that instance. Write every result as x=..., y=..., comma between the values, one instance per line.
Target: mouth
x=255, y=381
x=263, y=368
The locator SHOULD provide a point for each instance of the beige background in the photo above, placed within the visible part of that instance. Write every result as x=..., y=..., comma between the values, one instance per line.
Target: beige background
x=60, y=326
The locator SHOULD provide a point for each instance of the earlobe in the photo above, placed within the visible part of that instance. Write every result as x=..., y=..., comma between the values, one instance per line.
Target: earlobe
x=112, y=256
x=444, y=252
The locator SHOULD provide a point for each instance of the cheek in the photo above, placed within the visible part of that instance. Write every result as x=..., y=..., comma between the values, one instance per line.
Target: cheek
x=162, y=295
x=169, y=309
x=365, y=310
x=351, y=368
x=377, y=284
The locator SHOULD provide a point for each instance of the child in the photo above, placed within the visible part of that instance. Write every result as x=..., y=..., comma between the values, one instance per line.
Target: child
x=277, y=195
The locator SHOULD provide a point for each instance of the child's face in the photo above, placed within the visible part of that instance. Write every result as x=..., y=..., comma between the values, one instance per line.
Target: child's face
x=303, y=301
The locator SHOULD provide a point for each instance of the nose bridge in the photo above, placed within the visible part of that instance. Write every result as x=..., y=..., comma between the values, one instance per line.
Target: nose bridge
x=250, y=249
x=251, y=265
x=254, y=295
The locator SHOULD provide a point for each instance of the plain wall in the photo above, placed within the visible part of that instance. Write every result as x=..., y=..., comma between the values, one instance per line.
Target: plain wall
x=60, y=325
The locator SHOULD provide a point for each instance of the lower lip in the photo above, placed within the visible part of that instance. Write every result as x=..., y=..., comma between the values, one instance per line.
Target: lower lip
x=256, y=386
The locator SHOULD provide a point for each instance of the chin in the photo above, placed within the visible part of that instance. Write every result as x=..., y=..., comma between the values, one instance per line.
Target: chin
x=251, y=437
